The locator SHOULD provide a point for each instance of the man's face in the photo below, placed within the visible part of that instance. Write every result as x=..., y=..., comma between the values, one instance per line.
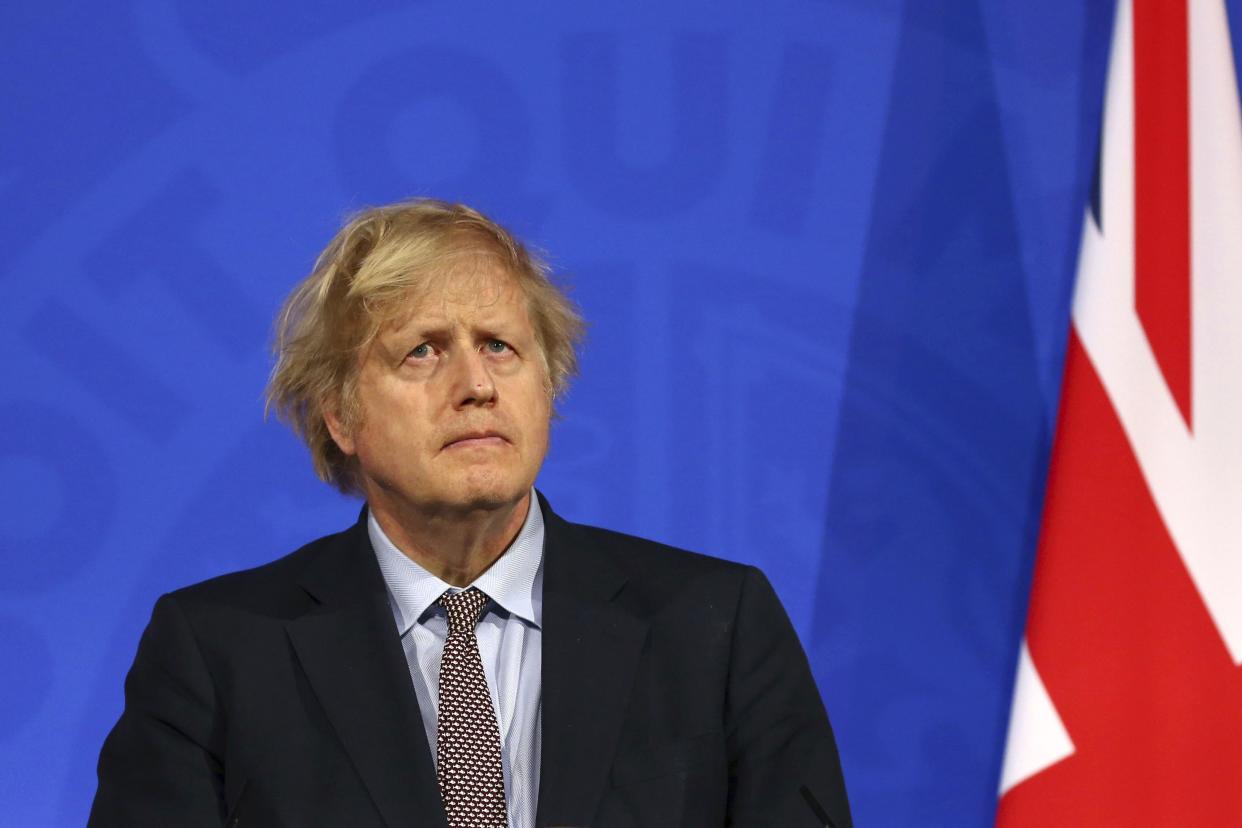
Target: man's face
x=454, y=401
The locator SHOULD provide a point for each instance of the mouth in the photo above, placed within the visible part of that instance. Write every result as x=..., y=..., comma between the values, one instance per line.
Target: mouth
x=476, y=439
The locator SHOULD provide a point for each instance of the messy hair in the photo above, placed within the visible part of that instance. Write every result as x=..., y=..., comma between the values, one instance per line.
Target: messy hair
x=380, y=261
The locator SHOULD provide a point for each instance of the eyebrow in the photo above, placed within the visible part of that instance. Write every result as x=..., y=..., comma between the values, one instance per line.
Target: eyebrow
x=439, y=330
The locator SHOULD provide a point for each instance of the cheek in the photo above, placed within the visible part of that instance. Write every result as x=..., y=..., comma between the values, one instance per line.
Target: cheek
x=368, y=445
x=380, y=441
x=542, y=426
x=532, y=419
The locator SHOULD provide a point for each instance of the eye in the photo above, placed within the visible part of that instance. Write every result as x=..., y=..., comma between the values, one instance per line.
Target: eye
x=422, y=351
x=496, y=346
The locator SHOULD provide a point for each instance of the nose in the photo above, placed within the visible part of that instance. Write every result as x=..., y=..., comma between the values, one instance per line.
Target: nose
x=473, y=383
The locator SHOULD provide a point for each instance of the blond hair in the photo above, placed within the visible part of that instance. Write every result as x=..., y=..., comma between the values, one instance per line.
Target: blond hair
x=380, y=261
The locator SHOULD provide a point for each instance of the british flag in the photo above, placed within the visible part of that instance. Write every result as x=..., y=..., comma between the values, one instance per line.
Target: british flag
x=1128, y=702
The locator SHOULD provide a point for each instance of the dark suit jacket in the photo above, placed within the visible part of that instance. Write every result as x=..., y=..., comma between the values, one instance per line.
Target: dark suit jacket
x=675, y=692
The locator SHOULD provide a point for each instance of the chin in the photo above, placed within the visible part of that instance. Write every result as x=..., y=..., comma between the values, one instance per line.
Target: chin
x=491, y=494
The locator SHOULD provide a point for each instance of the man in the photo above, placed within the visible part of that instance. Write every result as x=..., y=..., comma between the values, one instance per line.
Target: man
x=462, y=656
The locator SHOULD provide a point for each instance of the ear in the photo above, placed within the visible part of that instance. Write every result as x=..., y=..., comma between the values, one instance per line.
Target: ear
x=340, y=435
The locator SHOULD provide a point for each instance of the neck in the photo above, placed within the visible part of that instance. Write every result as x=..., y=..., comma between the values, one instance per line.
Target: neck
x=455, y=546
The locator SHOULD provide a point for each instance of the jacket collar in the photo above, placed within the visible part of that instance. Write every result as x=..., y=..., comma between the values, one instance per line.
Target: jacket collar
x=351, y=653
x=591, y=647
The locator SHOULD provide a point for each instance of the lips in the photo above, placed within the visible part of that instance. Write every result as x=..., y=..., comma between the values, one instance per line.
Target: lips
x=482, y=437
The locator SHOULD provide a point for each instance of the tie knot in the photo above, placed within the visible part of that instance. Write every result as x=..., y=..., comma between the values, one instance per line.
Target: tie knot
x=464, y=609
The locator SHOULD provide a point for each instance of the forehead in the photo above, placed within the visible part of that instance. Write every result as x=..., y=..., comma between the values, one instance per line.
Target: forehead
x=475, y=289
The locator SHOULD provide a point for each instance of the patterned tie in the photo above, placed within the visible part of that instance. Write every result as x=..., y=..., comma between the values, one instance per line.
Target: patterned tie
x=472, y=783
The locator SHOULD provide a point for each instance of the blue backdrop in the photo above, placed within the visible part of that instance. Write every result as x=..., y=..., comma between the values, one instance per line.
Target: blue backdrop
x=826, y=249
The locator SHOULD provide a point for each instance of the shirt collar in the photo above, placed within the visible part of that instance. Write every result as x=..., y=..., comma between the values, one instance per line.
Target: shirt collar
x=514, y=581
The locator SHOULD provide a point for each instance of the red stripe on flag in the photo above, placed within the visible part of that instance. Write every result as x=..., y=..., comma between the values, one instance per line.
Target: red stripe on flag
x=1128, y=653
x=1162, y=189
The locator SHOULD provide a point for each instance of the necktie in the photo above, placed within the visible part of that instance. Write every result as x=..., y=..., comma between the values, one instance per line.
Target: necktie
x=468, y=767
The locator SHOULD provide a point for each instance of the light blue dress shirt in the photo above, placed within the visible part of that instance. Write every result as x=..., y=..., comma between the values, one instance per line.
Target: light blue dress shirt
x=510, y=643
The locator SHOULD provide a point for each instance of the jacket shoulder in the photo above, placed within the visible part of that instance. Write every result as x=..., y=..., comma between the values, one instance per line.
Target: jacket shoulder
x=640, y=555
x=269, y=588
x=657, y=574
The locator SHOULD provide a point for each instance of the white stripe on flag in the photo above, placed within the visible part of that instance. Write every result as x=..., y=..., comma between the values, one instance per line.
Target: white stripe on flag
x=1037, y=738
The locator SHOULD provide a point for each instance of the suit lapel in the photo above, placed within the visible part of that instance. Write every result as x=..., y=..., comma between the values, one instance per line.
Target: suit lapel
x=590, y=651
x=353, y=659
